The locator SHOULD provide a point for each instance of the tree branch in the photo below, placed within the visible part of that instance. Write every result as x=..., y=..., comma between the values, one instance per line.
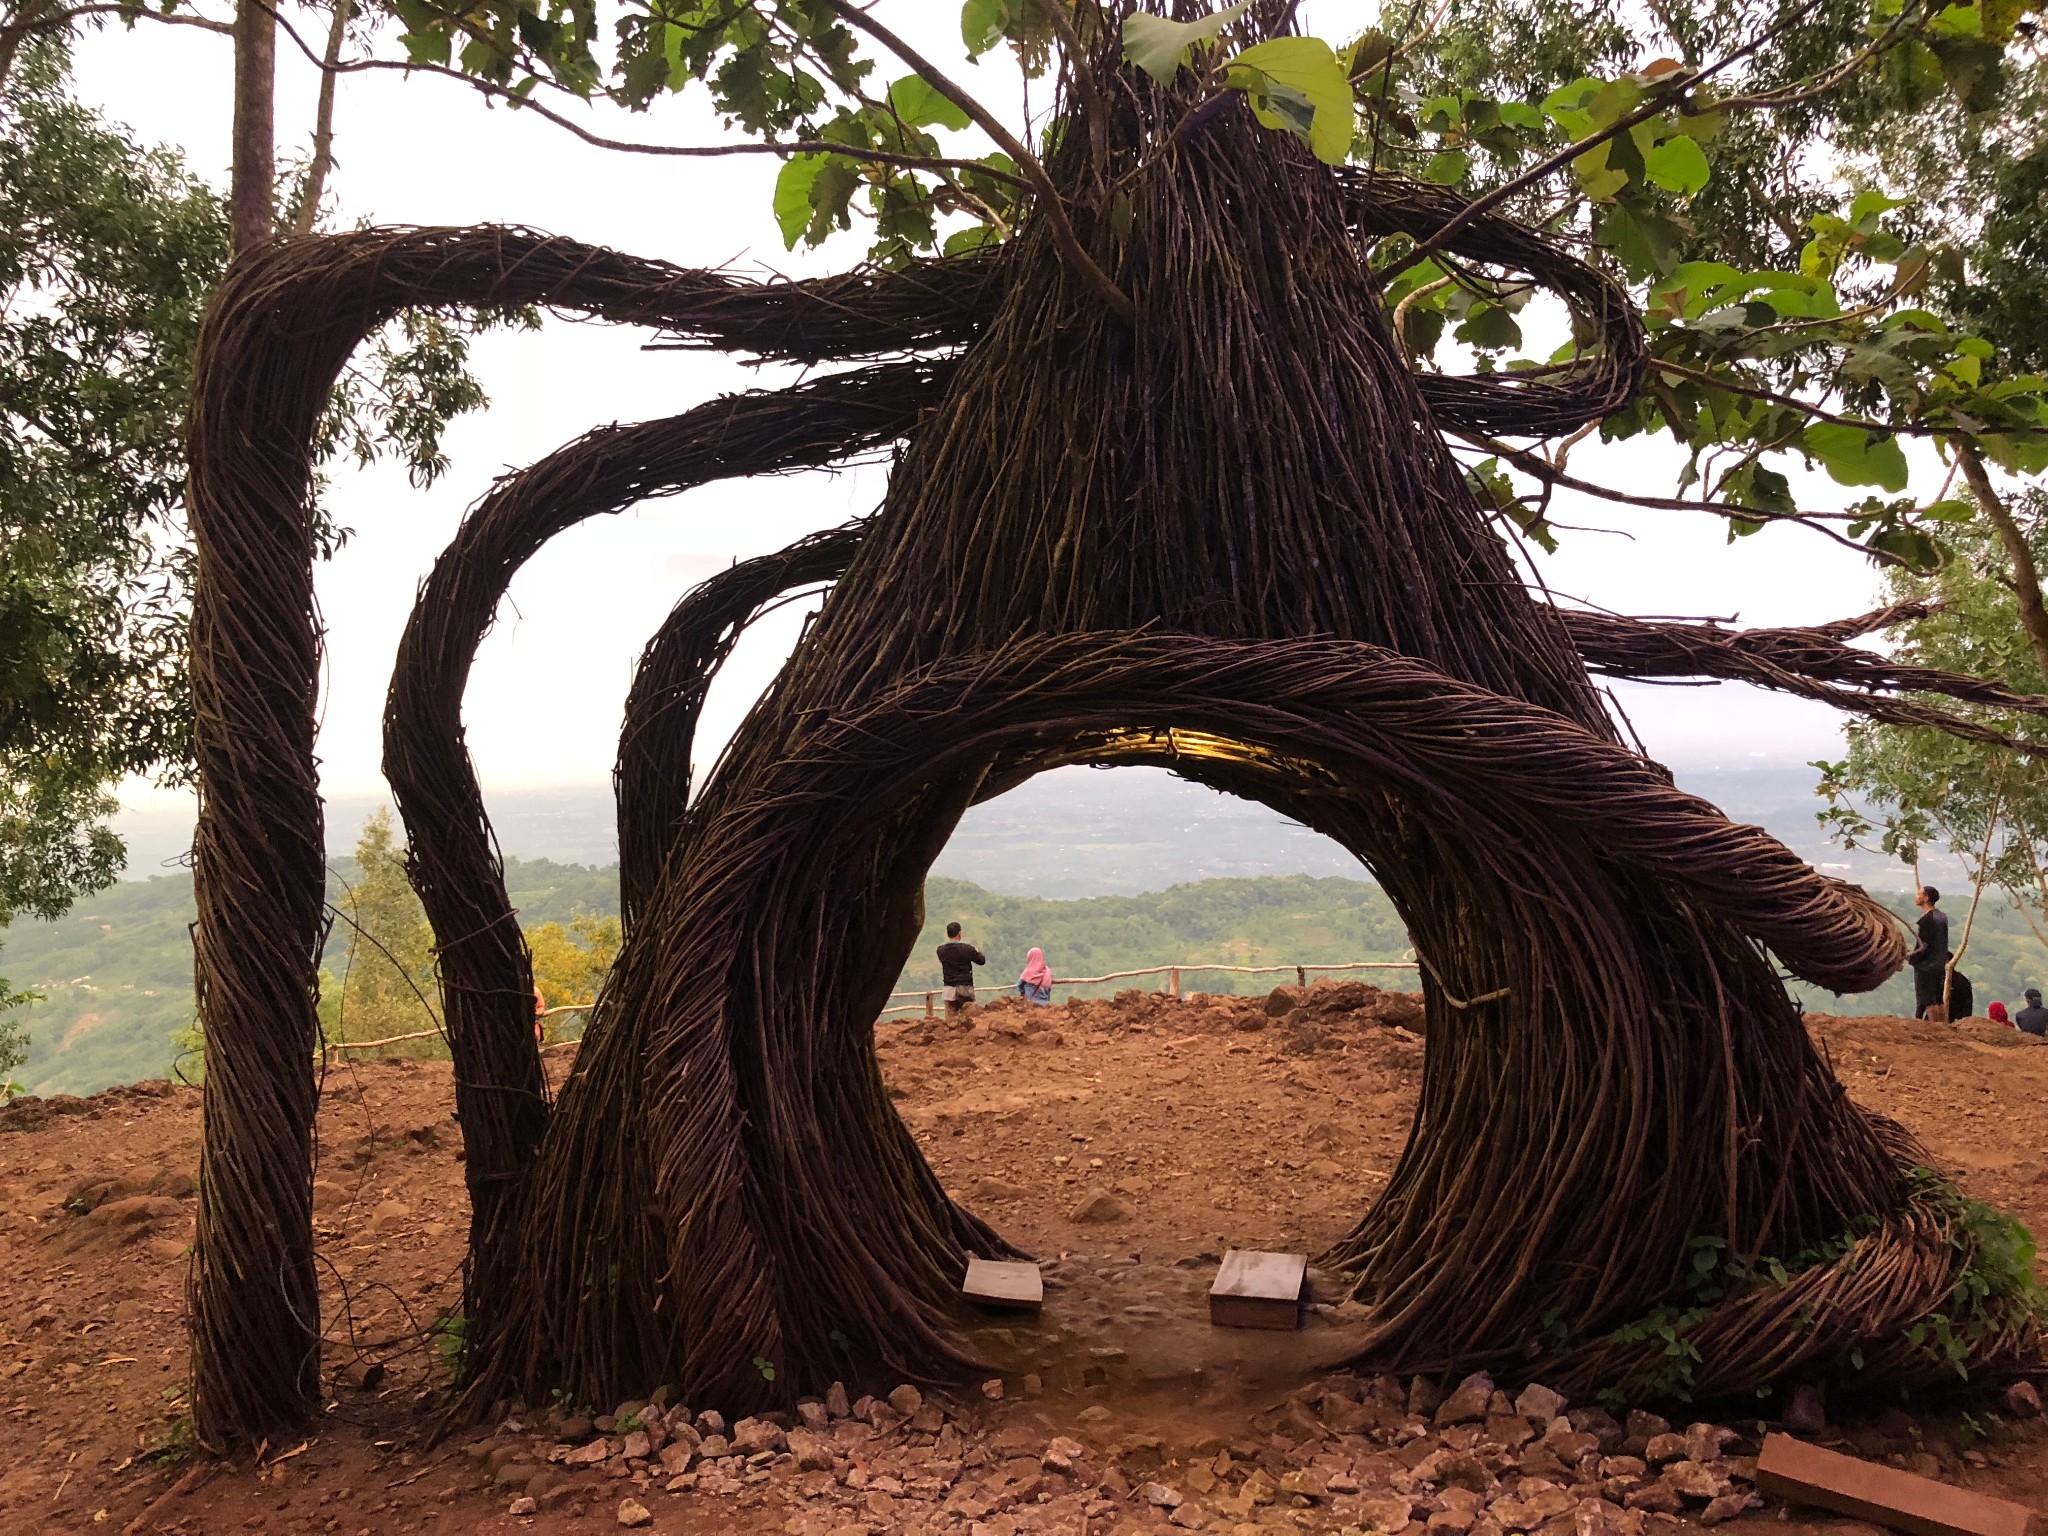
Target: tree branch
x=1535, y=465
x=2026, y=575
x=1034, y=170
x=520, y=103
x=315, y=186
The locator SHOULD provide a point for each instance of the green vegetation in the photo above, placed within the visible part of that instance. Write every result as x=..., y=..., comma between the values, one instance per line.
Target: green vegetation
x=1274, y=920
x=115, y=977
x=115, y=974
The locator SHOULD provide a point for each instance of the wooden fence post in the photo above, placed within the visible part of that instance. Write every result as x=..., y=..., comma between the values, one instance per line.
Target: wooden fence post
x=1173, y=981
x=928, y=1005
x=1301, y=975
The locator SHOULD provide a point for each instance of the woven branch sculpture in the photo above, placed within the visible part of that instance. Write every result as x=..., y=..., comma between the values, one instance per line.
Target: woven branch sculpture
x=1224, y=536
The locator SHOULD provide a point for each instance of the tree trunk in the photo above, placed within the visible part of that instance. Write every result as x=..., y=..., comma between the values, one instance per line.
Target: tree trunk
x=252, y=181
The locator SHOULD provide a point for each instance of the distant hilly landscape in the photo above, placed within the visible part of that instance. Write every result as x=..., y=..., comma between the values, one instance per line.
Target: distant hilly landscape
x=1105, y=871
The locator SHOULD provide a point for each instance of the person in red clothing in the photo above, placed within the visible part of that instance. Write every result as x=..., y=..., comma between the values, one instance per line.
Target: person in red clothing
x=540, y=1008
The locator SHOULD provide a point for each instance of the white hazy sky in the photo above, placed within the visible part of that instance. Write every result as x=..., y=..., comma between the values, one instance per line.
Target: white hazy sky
x=545, y=699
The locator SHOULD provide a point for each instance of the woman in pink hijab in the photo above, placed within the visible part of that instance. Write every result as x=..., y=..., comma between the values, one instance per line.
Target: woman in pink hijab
x=1035, y=984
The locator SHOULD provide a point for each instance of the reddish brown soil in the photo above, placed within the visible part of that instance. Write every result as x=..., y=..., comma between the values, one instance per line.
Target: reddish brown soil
x=1207, y=1123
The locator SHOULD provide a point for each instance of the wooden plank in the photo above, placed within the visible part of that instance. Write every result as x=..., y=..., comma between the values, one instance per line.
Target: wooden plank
x=1259, y=1290
x=1904, y=1501
x=994, y=1283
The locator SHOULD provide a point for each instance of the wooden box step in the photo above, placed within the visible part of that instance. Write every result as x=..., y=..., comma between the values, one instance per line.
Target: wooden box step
x=1259, y=1290
x=1012, y=1285
x=1903, y=1501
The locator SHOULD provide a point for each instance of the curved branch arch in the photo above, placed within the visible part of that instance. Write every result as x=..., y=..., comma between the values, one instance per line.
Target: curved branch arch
x=1541, y=402
x=280, y=328
x=485, y=971
x=746, y=1006
x=654, y=771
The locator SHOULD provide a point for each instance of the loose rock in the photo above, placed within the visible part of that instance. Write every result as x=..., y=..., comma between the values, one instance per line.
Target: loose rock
x=1098, y=1208
x=632, y=1512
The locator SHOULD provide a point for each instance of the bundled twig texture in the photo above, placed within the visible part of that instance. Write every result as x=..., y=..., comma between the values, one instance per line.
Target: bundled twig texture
x=1216, y=528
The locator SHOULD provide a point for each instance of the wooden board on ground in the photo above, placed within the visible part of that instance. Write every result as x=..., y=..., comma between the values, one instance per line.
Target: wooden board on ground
x=998, y=1283
x=1904, y=1501
x=1259, y=1290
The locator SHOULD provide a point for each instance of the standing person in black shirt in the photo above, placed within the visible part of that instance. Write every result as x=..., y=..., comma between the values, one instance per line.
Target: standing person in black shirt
x=1929, y=958
x=2033, y=1018
x=957, y=960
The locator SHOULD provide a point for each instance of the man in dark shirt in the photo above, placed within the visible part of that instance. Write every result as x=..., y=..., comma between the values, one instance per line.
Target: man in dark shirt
x=957, y=960
x=2033, y=1018
x=1929, y=958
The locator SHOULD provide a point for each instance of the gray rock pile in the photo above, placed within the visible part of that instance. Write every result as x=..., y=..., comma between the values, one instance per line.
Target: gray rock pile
x=1342, y=1454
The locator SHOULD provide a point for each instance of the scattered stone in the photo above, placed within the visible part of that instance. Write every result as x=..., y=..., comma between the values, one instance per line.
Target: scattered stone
x=637, y=1446
x=1324, y=1168
x=577, y=1427
x=1646, y=1426
x=714, y=1446
x=1188, y=1518
x=906, y=1400
x=1279, y=1003
x=1422, y=1397
x=632, y=1512
x=710, y=1422
x=1663, y=1448
x=594, y=1454
x=1061, y=1454
x=1539, y=1405
x=1468, y=1402
x=675, y=1458
x=1726, y=1507
x=1695, y=1480
x=1704, y=1442
x=2022, y=1401
x=523, y=1506
x=990, y=1190
x=752, y=1436
x=1386, y=1513
x=1098, y=1208
x=992, y=1389
x=835, y=1400
x=1159, y=1496
x=814, y=1415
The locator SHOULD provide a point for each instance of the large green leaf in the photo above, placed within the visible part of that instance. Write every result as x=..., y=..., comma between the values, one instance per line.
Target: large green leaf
x=793, y=196
x=1286, y=74
x=1855, y=455
x=1677, y=165
x=1159, y=46
x=920, y=105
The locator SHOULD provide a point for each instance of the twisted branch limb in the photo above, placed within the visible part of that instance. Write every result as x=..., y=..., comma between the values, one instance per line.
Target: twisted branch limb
x=654, y=771
x=485, y=970
x=281, y=327
x=1813, y=663
x=1541, y=402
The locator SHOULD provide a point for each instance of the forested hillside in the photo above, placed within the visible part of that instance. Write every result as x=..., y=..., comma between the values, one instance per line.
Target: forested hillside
x=116, y=975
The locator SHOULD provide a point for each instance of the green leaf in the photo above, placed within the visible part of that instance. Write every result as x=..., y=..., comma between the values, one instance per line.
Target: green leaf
x=983, y=24
x=1855, y=455
x=1160, y=47
x=1447, y=167
x=1279, y=74
x=972, y=238
x=1489, y=328
x=921, y=105
x=1677, y=165
x=793, y=196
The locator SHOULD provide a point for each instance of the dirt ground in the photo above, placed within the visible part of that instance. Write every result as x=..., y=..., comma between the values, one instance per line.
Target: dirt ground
x=1125, y=1143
